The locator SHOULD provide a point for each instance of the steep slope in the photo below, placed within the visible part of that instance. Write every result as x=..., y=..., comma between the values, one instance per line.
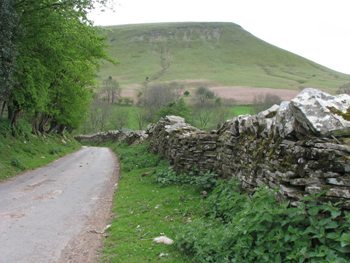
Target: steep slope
x=216, y=53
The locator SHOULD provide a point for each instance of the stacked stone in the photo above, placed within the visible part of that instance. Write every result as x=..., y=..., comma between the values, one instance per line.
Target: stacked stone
x=300, y=147
x=185, y=146
x=122, y=136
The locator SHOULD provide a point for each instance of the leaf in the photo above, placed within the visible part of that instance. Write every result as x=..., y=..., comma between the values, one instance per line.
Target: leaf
x=345, y=239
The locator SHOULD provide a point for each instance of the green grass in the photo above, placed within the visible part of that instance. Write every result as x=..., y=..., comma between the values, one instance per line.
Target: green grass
x=130, y=111
x=144, y=210
x=228, y=226
x=241, y=110
x=18, y=154
x=222, y=53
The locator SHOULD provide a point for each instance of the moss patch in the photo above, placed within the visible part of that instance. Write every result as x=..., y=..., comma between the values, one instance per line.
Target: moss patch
x=345, y=115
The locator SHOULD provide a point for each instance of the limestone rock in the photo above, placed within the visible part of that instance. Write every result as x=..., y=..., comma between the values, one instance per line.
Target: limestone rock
x=124, y=136
x=316, y=112
x=284, y=120
x=163, y=240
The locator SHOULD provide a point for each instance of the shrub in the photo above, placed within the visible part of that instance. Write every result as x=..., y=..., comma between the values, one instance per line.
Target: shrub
x=202, y=180
x=17, y=163
x=55, y=150
x=137, y=157
x=242, y=228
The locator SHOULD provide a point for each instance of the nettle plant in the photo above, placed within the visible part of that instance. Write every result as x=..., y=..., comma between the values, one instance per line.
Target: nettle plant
x=201, y=180
x=257, y=228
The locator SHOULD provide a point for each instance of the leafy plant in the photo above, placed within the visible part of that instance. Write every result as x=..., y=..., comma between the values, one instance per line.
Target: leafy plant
x=243, y=228
x=202, y=180
x=55, y=150
x=17, y=163
x=137, y=159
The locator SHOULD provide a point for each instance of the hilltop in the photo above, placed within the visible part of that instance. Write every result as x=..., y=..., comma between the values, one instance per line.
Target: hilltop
x=219, y=54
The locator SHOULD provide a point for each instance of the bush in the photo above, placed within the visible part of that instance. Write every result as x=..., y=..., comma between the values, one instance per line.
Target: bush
x=17, y=163
x=55, y=150
x=137, y=157
x=204, y=181
x=242, y=228
x=178, y=108
x=5, y=128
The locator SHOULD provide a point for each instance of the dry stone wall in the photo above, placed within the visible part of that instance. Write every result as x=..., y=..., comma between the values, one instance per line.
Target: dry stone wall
x=299, y=147
x=122, y=136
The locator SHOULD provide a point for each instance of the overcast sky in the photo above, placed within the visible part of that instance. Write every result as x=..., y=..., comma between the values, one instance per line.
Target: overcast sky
x=316, y=29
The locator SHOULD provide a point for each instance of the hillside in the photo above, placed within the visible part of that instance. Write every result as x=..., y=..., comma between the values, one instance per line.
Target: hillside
x=219, y=54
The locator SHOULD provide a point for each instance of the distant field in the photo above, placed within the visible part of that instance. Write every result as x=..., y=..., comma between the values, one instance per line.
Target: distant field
x=241, y=110
x=216, y=54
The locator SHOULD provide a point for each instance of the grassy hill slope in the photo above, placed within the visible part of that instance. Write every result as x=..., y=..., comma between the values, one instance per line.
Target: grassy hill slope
x=217, y=53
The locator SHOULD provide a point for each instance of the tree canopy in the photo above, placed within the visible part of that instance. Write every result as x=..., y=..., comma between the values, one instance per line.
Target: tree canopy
x=49, y=52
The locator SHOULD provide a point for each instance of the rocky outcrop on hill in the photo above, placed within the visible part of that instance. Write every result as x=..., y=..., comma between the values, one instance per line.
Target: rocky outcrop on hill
x=122, y=136
x=300, y=147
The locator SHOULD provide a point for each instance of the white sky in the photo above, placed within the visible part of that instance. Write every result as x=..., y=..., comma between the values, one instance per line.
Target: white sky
x=316, y=29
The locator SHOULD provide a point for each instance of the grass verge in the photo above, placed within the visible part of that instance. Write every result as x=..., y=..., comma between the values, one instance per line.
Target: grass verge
x=22, y=153
x=228, y=226
x=144, y=210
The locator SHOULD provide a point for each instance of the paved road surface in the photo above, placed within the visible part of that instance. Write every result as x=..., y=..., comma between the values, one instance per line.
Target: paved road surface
x=57, y=213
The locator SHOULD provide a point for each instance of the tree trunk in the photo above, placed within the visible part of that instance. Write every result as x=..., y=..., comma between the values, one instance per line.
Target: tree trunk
x=35, y=124
x=43, y=122
x=3, y=109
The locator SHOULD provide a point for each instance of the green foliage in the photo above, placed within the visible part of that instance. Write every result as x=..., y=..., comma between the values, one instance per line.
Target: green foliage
x=53, y=52
x=243, y=228
x=241, y=110
x=178, y=108
x=143, y=210
x=28, y=151
x=202, y=180
x=5, y=129
x=111, y=90
x=8, y=48
x=132, y=159
x=18, y=164
x=55, y=150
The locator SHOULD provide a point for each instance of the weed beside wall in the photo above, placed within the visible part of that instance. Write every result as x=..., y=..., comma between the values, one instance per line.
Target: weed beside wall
x=238, y=227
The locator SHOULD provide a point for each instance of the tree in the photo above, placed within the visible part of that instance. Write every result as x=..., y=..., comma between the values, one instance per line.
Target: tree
x=155, y=98
x=205, y=103
x=8, y=49
x=121, y=118
x=57, y=51
x=112, y=89
x=178, y=108
x=98, y=115
x=204, y=96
